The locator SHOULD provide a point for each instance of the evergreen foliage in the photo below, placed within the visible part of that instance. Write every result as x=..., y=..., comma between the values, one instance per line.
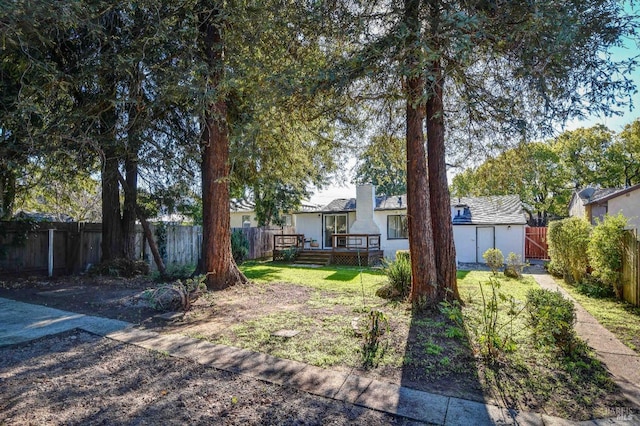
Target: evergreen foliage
x=605, y=251
x=568, y=240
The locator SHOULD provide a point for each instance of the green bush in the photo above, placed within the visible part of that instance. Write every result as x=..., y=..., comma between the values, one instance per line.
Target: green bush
x=289, y=254
x=239, y=246
x=404, y=254
x=514, y=266
x=551, y=318
x=399, y=274
x=568, y=240
x=605, y=251
x=494, y=259
x=593, y=287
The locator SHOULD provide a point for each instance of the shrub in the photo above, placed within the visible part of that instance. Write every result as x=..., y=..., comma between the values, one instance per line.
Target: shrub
x=120, y=268
x=494, y=259
x=568, y=240
x=593, y=287
x=493, y=331
x=406, y=254
x=605, y=251
x=399, y=274
x=514, y=266
x=179, y=295
x=239, y=246
x=551, y=318
x=289, y=254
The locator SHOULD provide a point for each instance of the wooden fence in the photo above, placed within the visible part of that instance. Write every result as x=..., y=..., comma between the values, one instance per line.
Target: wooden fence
x=261, y=240
x=535, y=246
x=55, y=248
x=631, y=268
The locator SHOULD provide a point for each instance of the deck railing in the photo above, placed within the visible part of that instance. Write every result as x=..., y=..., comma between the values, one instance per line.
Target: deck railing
x=362, y=242
x=286, y=241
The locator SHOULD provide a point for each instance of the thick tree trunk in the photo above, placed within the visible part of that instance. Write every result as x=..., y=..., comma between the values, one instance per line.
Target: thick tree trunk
x=439, y=191
x=217, y=260
x=129, y=208
x=424, y=286
x=7, y=192
x=111, y=219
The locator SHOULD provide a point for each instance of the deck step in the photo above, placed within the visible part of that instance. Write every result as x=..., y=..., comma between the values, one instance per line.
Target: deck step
x=313, y=257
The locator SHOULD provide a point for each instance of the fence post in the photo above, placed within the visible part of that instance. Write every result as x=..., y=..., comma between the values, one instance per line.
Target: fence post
x=50, y=256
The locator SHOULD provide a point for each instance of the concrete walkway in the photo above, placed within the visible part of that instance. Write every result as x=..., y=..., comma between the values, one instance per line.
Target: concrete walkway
x=21, y=322
x=622, y=362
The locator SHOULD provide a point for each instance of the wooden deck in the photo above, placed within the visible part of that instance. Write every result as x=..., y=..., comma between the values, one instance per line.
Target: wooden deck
x=348, y=249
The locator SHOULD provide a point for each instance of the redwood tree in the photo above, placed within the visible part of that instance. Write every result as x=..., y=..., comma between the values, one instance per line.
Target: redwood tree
x=217, y=260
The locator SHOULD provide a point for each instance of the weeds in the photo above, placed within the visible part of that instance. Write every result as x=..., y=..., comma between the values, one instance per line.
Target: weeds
x=377, y=326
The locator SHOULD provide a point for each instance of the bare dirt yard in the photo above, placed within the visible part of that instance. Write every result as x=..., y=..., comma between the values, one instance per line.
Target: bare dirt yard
x=79, y=378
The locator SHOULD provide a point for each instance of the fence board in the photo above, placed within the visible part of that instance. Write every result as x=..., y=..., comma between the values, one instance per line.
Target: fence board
x=631, y=268
x=77, y=246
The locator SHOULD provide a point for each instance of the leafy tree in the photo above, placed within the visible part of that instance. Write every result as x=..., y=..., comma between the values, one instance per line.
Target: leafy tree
x=533, y=171
x=383, y=164
x=582, y=154
x=54, y=192
x=624, y=155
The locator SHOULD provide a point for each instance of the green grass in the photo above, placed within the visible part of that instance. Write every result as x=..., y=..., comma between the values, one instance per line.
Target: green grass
x=336, y=278
x=421, y=345
x=619, y=317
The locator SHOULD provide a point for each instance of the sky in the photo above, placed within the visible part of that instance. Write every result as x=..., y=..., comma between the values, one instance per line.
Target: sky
x=341, y=187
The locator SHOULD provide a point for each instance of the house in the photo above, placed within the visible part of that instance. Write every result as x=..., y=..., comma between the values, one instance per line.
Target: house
x=594, y=203
x=479, y=223
x=243, y=214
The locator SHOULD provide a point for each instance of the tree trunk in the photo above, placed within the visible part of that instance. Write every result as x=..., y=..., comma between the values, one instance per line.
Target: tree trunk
x=439, y=191
x=7, y=192
x=111, y=219
x=217, y=260
x=129, y=208
x=424, y=286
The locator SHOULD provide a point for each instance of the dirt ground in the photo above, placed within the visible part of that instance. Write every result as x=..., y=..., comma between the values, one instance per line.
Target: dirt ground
x=81, y=379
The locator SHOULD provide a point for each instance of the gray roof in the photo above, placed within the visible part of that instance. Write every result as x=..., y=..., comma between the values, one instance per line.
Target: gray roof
x=592, y=195
x=605, y=194
x=493, y=210
x=246, y=206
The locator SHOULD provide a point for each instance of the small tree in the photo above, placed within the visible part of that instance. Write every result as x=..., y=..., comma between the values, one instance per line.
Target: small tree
x=605, y=250
x=494, y=259
x=568, y=240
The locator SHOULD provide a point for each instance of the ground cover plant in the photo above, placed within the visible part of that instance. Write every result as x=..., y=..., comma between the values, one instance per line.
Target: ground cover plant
x=617, y=316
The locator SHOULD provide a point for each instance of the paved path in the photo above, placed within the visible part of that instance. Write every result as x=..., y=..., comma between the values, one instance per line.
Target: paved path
x=621, y=361
x=21, y=322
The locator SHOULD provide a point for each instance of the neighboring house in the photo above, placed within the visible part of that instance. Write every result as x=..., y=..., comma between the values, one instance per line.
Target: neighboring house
x=478, y=223
x=594, y=203
x=243, y=214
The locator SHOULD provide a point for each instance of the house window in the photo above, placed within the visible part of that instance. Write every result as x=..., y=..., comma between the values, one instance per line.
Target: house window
x=285, y=220
x=246, y=220
x=397, y=227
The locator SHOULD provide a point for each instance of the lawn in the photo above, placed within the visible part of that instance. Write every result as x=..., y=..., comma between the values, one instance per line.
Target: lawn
x=332, y=309
x=619, y=317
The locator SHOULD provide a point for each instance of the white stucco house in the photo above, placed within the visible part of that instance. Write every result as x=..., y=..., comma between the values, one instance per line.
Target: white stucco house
x=594, y=203
x=479, y=223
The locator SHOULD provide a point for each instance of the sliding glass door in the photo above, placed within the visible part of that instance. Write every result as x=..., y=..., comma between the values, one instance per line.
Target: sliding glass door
x=334, y=224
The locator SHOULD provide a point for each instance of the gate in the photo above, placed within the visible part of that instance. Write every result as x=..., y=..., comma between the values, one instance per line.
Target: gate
x=535, y=243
